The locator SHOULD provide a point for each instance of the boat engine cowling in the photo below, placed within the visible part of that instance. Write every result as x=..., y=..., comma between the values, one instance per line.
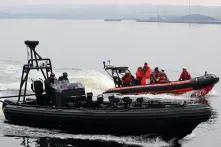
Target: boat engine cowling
x=65, y=92
x=37, y=87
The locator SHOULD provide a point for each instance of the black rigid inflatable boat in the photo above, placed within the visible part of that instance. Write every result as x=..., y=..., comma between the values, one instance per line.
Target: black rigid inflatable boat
x=75, y=111
x=172, y=121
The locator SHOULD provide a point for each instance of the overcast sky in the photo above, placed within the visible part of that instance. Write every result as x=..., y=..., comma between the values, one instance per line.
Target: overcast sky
x=174, y=2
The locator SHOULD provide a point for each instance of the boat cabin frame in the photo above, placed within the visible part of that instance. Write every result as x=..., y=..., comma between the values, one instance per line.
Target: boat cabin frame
x=35, y=62
x=116, y=73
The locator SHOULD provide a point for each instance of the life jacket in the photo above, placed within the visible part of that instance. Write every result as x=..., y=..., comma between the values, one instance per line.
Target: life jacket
x=163, y=78
x=139, y=75
x=152, y=79
x=156, y=76
x=143, y=81
x=148, y=73
x=146, y=77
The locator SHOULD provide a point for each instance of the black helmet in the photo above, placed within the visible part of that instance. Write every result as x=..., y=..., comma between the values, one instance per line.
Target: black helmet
x=52, y=75
x=65, y=74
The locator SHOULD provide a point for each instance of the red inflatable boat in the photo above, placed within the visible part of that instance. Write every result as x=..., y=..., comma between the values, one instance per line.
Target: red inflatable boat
x=199, y=86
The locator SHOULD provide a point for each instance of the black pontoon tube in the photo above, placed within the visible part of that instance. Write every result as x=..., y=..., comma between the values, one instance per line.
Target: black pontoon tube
x=13, y=96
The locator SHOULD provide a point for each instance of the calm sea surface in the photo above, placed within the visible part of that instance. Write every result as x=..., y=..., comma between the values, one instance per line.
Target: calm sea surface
x=80, y=47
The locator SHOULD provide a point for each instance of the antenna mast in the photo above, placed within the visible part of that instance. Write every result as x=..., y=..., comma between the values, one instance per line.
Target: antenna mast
x=35, y=62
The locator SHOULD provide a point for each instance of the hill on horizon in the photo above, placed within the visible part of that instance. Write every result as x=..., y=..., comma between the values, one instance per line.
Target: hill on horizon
x=196, y=17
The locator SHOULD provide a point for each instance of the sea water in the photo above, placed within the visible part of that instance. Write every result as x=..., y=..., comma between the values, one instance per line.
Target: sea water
x=80, y=47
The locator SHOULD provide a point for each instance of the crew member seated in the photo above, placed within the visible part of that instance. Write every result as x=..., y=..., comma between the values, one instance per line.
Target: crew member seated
x=184, y=75
x=127, y=79
x=63, y=77
x=146, y=74
x=152, y=79
x=163, y=77
x=155, y=77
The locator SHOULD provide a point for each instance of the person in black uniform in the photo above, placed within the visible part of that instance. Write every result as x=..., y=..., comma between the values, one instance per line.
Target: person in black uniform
x=49, y=89
x=50, y=80
x=63, y=77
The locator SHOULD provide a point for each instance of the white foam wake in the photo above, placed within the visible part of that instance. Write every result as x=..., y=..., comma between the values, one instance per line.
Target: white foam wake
x=23, y=131
x=213, y=93
x=94, y=81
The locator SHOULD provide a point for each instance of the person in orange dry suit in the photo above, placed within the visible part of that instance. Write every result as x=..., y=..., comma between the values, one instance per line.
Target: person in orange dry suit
x=127, y=79
x=146, y=74
x=163, y=77
x=155, y=75
x=184, y=75
x=139, y=75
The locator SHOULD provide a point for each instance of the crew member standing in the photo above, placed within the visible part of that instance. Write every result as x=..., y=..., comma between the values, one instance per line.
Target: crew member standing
x=156, y=75
x=163, y=77
x=139, y=75
x=49, y=89
x=146, y=74
x=50, y=80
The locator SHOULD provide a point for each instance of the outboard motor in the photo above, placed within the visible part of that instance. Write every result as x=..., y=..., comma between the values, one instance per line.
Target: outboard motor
x=37, y=87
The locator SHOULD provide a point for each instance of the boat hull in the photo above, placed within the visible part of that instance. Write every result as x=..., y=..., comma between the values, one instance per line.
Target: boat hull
x=170, y=122
x=200, y=86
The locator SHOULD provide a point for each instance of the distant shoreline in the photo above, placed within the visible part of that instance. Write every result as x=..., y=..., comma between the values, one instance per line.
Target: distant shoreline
x=192, y=22
x=116, y=20
x=165, y=21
